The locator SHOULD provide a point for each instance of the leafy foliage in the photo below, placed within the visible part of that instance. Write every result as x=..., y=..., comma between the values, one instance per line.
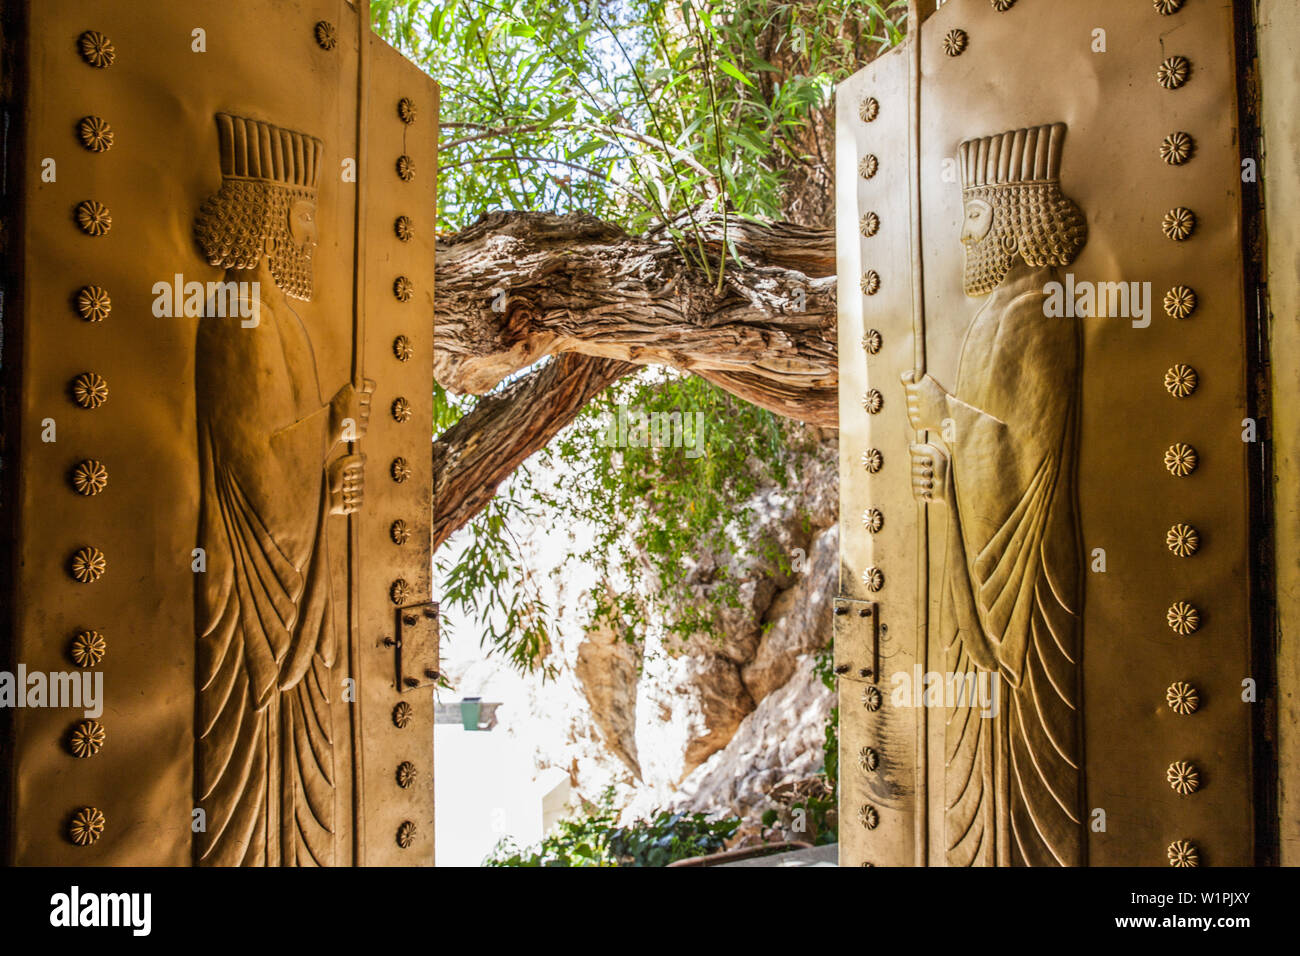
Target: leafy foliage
x=810, y=817
x=597, y=839
x=680, y=510
x=632, y=111
x=825, y=664
x=831, y=749
x=490, y=580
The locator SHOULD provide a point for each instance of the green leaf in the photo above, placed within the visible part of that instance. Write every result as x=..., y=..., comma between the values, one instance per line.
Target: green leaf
x=734, y=72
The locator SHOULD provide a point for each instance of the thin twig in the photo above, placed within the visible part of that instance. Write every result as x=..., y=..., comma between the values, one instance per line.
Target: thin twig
x=521, y=157
x=672, y=151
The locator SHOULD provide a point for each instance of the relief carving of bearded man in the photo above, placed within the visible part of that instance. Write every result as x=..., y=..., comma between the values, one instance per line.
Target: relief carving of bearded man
x=1011, y=595
x=272, y=471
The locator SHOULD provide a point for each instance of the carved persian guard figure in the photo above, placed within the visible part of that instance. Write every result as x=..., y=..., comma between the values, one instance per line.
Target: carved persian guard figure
x=1011, y=597
x=271, y=474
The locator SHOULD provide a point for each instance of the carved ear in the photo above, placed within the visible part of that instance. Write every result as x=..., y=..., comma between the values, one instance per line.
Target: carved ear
x=1010, y=245
x=268, y=245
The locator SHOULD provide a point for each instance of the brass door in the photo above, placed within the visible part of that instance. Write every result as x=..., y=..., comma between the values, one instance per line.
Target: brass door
x=226, y=253
x=1044, y=444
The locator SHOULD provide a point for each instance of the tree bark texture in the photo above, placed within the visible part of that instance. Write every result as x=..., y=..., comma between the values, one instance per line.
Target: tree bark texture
x=516, y=287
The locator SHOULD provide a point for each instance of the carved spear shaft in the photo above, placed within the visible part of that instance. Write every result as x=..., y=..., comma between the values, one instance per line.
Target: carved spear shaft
x=922, y=824
x=358, y=382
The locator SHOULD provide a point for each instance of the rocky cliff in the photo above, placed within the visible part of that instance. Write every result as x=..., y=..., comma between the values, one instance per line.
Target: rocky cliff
x=728, y=715
x=712, y=722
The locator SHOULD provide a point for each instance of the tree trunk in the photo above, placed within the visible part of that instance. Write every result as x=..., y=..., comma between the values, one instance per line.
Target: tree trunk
x=516, y=287
x=473, y=457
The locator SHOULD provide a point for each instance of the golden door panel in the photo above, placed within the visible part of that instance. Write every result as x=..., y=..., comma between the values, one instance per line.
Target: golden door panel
x=1073, y=423
x=399, y=641
x=879, y=812
x=193, y=329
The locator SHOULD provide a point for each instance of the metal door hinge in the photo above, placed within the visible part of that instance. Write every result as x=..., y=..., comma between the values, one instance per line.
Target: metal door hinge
x=416, y=646
x=857, y=640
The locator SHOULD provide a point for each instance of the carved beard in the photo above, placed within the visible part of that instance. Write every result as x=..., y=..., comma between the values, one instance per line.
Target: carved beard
x=291, y=268
x=988, y=262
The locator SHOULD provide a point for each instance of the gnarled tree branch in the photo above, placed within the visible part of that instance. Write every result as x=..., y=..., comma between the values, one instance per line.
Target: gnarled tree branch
x=473, y=457
x=517, y=286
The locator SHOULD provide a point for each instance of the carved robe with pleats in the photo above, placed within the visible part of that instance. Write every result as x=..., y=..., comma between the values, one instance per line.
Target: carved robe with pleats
x=1011, y=600
x=264, y=619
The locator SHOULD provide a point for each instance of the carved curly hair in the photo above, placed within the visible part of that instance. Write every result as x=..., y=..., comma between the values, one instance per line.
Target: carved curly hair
x=233, y=225
x=1033, y=220
x=1050, y=229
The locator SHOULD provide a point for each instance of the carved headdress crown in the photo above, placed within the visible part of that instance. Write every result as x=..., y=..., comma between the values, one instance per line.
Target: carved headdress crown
x=1015, y=158
x=251, y=149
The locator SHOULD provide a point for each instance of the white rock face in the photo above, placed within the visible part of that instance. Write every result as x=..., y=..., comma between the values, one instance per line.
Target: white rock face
x=707, y=725
x=779, y=742
x=798, y=620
